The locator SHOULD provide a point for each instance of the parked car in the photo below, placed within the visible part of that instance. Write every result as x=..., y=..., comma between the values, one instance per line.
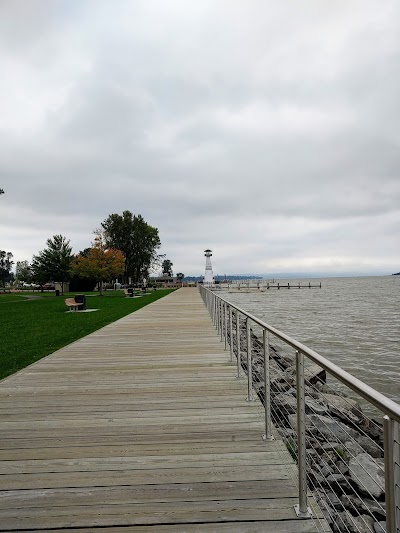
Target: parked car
x=30, y=286
x=49, y=287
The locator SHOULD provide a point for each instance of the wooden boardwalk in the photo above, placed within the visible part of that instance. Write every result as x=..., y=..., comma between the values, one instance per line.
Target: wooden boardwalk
x=142, y=426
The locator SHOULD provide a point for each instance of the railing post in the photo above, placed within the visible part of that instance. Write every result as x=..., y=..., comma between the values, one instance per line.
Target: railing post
x=267, y=388
x=218, y=315
x=302, y=510
x=230, y=334
x=238, y=360
x=225, y=325
x=249, y=364
x=390, y=444
x=396, y=455
x=220, y=319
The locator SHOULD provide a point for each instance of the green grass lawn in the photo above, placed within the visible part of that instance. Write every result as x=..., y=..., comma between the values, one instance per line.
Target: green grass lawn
x=12, y=297
x=31, y=329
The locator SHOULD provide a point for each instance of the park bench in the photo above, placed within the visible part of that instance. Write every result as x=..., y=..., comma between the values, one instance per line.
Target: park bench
x=78, y=303
x=131, y=292
x=72, y=304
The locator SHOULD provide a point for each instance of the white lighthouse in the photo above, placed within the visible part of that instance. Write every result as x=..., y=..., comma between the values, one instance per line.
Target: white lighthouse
x=209, y=276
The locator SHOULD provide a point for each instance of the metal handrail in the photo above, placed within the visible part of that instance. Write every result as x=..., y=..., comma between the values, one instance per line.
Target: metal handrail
x=379, y=400
x=220, y=307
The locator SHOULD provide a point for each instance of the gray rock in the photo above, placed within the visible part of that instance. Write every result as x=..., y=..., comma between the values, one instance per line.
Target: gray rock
x=312, y=456
x=344, y=408
x=329, y=446
x=321, y=387
x=342, y=404
x=364, y=523
x=287, y=433
x=285, y=360
x=285, y=403
x=342, y=467
x=279, y=378
x=314, y=407
x=326, y=471
x=280, y=386
x=337, y=481
x=345, y=521
x=369, y=446
x=328, y=512
x=320, y=481
x=380, y=527
x=367, y=475
x=363, y=505
x=373, y=429
x=334, y=501
x=330, y=428
x=353, y=448
x=312, y=373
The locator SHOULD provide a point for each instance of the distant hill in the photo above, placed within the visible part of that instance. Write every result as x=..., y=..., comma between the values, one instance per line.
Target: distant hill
x=397, y=274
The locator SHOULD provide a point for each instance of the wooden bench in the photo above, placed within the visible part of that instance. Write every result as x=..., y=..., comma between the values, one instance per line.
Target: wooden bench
x=70, y=302
x=132, y=292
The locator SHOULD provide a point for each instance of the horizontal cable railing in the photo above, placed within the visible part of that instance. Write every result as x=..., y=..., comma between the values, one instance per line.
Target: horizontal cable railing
x=349, y=461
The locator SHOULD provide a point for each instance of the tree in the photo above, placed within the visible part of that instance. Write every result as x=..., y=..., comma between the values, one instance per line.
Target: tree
x=167, y=267
x=23, y=272
x=1, y=191
x=53, y=263
x=99, y=262
x=137, y=240
x=6, y=264
x=180, y=276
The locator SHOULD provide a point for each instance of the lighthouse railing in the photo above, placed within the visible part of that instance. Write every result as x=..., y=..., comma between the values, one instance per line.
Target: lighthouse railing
x=350, y=459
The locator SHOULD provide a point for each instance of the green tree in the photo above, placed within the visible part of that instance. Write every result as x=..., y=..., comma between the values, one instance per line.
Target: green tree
x=6, y=264
x=53, y=263
x=1, y=191
x=137, y=240
x=167, y=267
x=99, y=262
x=23, y=272
x=180, y=276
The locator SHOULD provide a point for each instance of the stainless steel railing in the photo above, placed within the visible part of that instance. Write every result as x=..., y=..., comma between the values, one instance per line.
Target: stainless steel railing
x=234, y=325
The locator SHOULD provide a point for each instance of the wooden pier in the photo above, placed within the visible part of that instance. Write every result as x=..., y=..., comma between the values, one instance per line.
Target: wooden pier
x=263, y=285
x=142, y=426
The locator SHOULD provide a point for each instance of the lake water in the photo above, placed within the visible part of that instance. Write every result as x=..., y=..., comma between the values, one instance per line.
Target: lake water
x=354, y=322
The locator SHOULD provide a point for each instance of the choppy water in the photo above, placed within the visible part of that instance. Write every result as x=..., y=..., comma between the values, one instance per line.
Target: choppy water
x=354, y=322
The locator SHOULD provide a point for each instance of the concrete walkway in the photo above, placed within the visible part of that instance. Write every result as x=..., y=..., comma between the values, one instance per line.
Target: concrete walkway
x=142, y=426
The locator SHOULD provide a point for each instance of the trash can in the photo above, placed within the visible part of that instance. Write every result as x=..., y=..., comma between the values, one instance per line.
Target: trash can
x=81, y=300
x=130, y=293
x=57, y=292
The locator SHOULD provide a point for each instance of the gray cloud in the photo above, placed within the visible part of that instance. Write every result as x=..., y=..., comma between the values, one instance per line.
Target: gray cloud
x=266, y=131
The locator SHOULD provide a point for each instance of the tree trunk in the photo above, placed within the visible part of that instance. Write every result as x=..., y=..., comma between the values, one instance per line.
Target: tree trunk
x=101, y=288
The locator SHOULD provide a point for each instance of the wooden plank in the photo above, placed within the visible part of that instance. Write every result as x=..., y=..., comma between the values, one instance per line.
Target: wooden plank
x=162, y=512
x=222, y=434
x=142, y=423
x=286, y=526
x=45, y=498
x=129, y=449
x=208, y=474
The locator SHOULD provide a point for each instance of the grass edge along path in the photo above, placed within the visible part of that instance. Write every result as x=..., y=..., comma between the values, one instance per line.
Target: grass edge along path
x=33, y=329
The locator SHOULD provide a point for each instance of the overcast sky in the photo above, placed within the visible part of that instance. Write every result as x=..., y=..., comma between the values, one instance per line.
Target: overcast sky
x=267, y=131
